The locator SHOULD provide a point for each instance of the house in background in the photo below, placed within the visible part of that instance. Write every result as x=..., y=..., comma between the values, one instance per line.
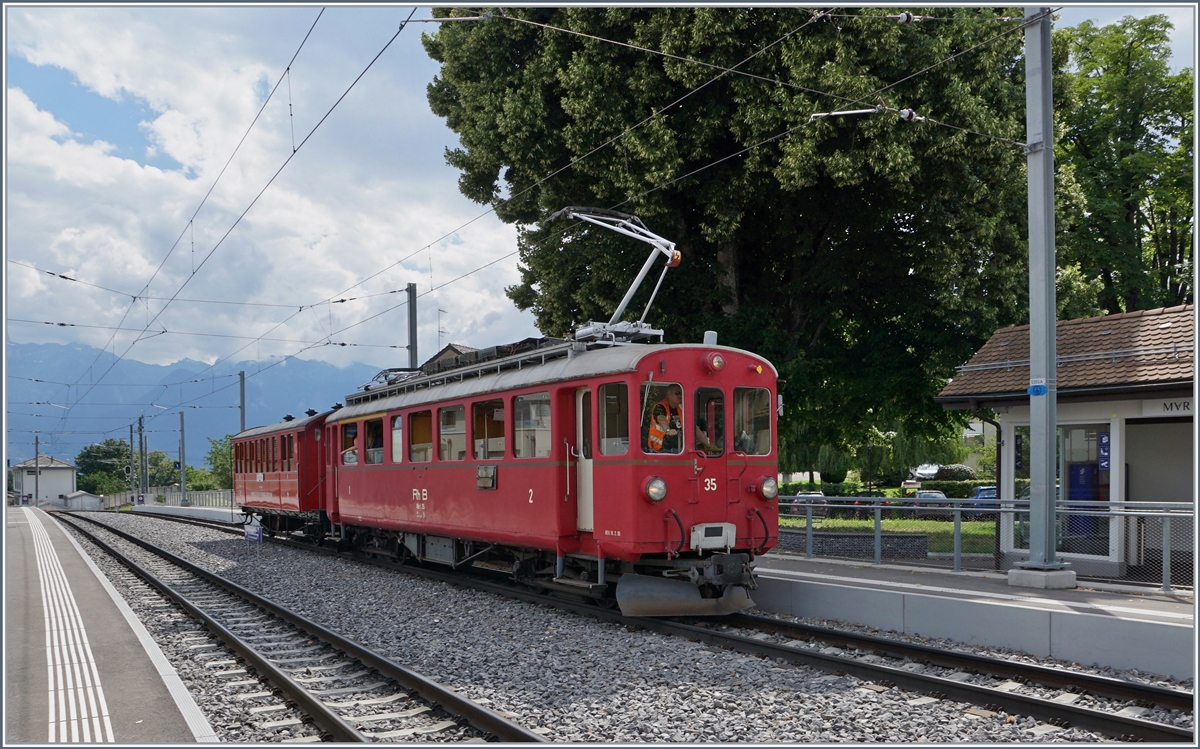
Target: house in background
x=56, y=481
x=1125, y=426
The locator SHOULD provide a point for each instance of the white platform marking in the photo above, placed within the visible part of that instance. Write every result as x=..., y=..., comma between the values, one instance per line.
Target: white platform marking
x=74, y=681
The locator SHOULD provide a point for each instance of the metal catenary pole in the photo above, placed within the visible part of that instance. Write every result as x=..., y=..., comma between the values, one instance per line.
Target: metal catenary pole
x=411, y=289
x=242, y=401
x=183, y=501
x=1043, y=422
x=132, y=455
x=37, y=468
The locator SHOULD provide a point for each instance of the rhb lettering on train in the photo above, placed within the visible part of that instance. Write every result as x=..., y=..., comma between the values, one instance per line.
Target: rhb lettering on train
x=420, y=495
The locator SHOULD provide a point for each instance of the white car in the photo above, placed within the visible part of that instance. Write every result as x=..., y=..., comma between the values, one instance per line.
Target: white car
x=926, y=472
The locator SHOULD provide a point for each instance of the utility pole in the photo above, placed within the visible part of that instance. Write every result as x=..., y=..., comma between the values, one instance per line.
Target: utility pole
x=440, y=331
x=142, y=468
x=412, y=326
x=1042, y=570
x=37, y=468
x=183, y=502
x=132, y=455
x=242, y=390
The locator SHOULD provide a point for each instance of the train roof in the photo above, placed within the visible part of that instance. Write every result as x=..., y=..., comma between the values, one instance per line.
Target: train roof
x=546, y=366
x=283, y=426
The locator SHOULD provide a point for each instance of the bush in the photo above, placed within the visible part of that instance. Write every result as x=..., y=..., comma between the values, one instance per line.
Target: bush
x=161, y=498
x=955, y=472
x=953, y=489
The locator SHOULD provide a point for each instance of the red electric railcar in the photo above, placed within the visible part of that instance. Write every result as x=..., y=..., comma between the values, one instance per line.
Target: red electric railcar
x=549, y=463
x=278, y=473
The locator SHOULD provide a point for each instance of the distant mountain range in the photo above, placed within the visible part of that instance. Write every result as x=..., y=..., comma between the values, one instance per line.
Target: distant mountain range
x=127, y=391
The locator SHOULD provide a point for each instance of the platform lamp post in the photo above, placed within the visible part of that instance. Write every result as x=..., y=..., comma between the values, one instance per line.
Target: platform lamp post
x=1042, y=570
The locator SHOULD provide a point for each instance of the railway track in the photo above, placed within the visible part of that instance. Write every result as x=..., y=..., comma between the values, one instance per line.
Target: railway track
x=993, y=684
x=308, y=677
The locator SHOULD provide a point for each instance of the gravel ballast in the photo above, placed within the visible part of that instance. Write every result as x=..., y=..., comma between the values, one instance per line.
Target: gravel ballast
x=575, y=679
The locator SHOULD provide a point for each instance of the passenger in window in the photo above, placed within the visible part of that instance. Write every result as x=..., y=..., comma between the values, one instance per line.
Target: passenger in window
x=666, y=422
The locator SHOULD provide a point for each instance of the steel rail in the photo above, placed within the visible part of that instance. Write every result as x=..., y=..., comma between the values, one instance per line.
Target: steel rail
x=323, y=716
x=477, y=715
x=1105, y=686
x=1117, y=726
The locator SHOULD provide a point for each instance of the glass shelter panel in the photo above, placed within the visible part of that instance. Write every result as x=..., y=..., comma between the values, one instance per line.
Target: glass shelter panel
x=531, y=425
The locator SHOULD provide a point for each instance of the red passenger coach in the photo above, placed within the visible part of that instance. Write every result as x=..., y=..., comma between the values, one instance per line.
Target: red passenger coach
x=575, y=465
x=278, y=474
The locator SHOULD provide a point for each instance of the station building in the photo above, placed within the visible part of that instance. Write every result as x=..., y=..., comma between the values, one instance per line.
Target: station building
x=1125, y=429
x=56, y=481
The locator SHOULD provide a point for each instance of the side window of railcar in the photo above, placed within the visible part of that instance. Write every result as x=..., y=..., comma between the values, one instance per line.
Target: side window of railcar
x=452, y=433
x=488, y=433
x=397, y=441
x=614, y=418
x=710, y=420
x=373, y=430
x=420, y=437
x=752, y=420
x=349, y=448
x=531, y=425
x=662, y=417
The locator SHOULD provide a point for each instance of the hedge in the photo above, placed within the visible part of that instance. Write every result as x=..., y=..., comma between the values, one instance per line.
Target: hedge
x=961, y=489
x=844, y=489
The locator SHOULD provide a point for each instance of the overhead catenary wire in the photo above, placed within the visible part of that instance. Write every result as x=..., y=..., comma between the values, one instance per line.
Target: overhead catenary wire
x=262, y=191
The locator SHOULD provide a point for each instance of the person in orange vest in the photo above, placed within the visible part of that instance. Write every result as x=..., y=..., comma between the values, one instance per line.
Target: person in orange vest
x=666, y=423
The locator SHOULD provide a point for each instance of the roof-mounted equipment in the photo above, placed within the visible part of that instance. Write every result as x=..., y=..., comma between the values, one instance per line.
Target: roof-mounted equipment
x=615, y=330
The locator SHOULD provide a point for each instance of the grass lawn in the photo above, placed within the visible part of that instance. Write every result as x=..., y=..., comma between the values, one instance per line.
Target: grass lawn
x=978, y=536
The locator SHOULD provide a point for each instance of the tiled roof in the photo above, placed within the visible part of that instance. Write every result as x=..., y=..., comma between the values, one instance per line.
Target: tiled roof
x=1133, y=349
x=44, y=461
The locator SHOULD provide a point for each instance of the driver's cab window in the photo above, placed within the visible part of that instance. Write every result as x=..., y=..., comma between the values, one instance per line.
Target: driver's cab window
x=710, y=421
x=662, y=417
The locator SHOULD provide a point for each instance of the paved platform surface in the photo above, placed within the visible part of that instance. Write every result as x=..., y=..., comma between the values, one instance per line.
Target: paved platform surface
x=1095, y=624
x=79, y=665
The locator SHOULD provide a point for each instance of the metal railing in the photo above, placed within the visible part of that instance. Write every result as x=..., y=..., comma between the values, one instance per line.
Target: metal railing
x=1145, y=542
x=167, y=496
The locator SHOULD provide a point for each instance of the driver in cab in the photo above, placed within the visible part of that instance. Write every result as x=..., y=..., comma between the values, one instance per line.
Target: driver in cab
x=666, y=423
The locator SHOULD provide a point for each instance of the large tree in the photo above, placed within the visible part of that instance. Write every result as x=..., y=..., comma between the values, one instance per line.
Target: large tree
x=1128, y=140
x=865, y=255
x=102, y=467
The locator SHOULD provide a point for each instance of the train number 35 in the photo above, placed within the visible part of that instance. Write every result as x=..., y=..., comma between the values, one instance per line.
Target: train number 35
x=710, y=485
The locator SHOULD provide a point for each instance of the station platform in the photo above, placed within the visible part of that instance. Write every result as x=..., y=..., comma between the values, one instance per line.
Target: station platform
x=80, y=666
x=222, y=514
x=1122, y=627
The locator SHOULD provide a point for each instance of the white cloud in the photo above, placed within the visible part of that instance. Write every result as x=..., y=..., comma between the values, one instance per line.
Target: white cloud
x=368, y=189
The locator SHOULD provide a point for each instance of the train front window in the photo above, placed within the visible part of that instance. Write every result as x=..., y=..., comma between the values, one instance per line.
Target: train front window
x=489, y=430
x=349, y=449
x=452, y=433
x=614, y=418
x=420, y=437
x=374, y=435
x=397, y=441
x=662, y=418
x=531, y=425
x=752, y=420
x=710, y=421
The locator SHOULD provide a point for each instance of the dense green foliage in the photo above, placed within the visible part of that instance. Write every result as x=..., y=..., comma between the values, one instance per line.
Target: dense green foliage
x=863, y=255
x=102, y=467
x=220, y=462
x=1127, y=144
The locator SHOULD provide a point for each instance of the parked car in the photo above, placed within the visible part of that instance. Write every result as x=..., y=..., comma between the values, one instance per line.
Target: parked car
x=928, y=498
x=820, y=505
x=925, y=472
x=983, y=508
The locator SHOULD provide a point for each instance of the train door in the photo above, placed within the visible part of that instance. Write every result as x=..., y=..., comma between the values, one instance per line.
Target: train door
x=708, y=448
x=331, y=469
x=582, y=452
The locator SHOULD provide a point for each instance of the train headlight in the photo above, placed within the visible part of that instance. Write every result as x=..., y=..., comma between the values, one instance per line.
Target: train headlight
x=768, y=489
x=714, y=362
x=656, y=489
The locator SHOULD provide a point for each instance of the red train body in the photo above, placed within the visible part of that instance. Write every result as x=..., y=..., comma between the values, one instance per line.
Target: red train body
x=571, y=465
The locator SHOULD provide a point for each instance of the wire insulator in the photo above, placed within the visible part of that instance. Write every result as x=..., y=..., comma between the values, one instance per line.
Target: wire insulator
x=907, y=115
x=905, y=18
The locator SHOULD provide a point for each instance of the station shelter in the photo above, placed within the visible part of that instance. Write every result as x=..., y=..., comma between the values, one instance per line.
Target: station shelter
x=1125, y=433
